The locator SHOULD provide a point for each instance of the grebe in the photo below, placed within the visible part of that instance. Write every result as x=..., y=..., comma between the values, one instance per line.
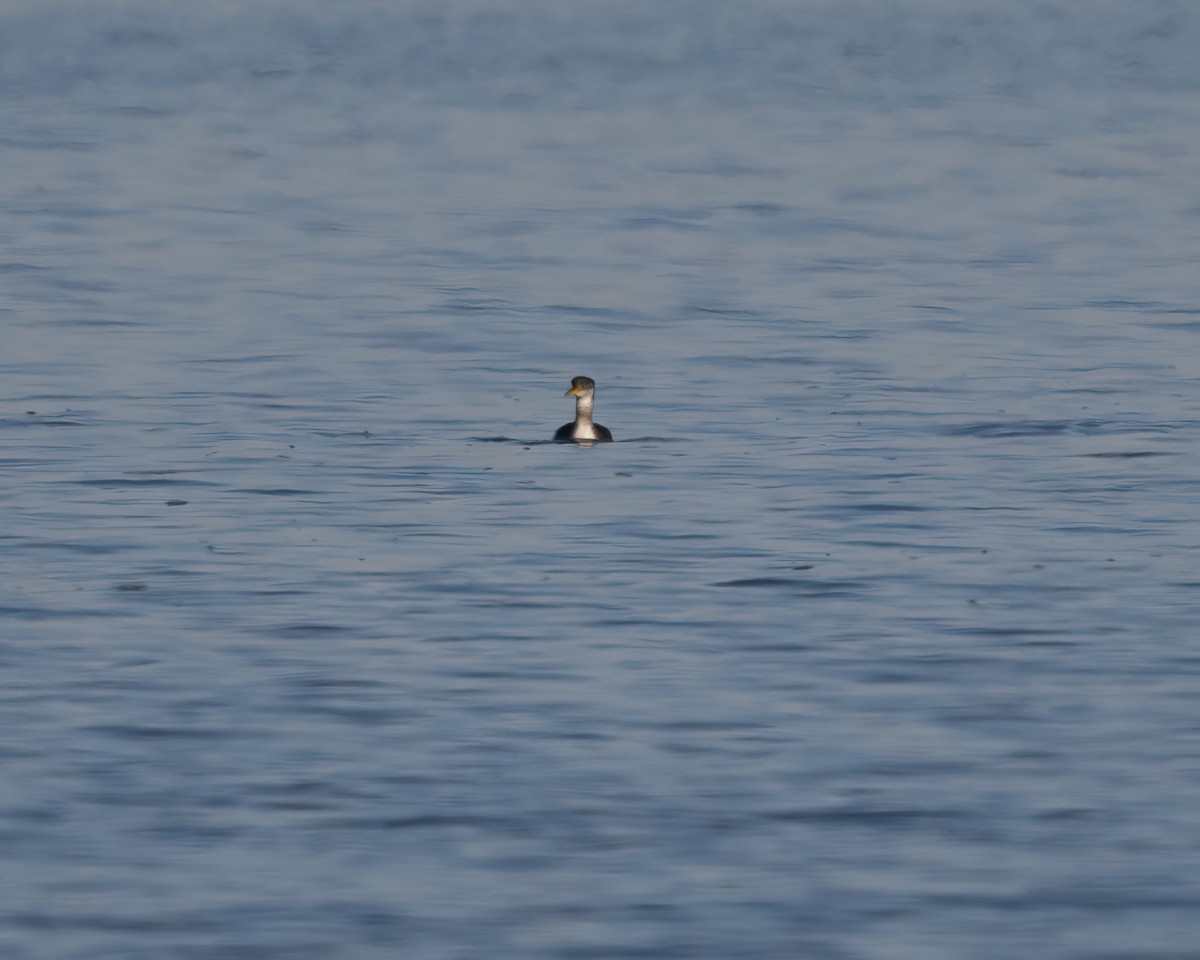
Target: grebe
x=583, y=389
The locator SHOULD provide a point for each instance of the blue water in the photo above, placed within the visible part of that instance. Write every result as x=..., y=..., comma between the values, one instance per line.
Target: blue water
x=873, y=636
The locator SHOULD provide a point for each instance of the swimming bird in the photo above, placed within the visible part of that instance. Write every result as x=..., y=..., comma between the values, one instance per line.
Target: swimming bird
x=583, y=389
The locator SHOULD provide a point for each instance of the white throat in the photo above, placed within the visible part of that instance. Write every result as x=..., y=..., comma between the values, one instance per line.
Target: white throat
x=584, y=428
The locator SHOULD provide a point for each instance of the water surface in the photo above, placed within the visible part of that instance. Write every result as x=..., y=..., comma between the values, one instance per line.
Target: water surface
x=872, y=636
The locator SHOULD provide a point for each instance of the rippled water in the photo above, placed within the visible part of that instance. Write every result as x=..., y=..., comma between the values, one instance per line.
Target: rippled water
x=874, y=635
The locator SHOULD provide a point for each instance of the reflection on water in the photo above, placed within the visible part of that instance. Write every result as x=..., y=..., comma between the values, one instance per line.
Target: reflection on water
x=872, y=636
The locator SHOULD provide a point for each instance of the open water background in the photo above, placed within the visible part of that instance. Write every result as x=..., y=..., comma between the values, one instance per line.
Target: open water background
x=873, y=638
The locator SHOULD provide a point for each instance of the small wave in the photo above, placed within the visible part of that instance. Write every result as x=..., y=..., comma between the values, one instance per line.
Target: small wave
x=993, y=429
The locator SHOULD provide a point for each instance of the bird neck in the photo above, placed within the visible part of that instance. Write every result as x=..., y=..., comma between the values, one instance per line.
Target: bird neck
x=583, y=408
